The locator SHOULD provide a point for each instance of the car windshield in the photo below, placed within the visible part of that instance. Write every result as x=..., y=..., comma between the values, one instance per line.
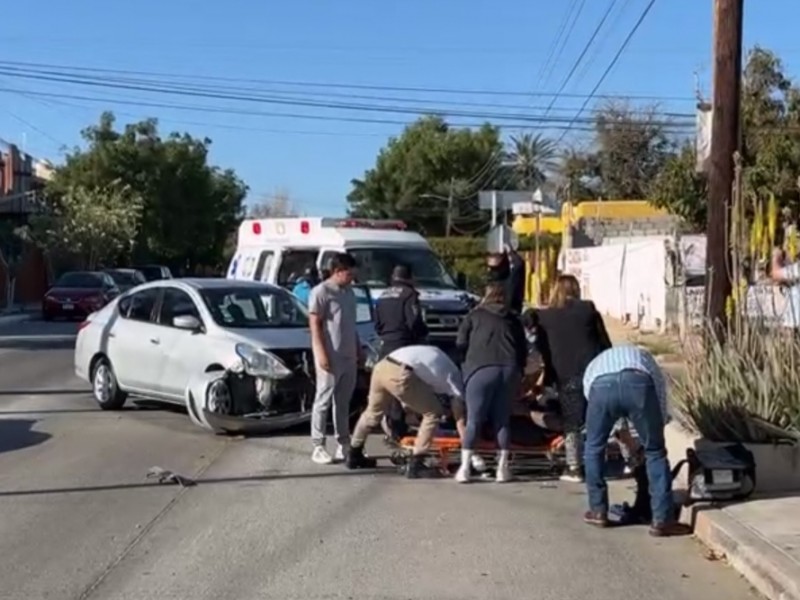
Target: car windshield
x=80, y=280
x=375, y=266
x=254, y=308
x=130, y=278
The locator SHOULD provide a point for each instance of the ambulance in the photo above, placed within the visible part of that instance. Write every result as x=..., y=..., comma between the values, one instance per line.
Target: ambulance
x=278, y=251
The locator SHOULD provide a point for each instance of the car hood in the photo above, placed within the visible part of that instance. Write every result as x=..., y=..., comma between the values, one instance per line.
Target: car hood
x=438, y=299
x=272, y=338
x=74, y=292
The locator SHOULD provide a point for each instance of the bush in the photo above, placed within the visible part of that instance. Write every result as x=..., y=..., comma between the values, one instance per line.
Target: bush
x=468, y=255
x=746, y=389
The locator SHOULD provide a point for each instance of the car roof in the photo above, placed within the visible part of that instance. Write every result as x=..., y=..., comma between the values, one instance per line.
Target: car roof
x=120, y=270
x=211, y=283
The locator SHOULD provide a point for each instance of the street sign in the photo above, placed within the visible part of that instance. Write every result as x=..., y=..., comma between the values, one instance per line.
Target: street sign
x=523, y=208
x=499, y=236
x=503, y=200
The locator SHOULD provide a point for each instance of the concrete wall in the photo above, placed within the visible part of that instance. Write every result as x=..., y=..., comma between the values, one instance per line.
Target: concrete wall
x=625, y=281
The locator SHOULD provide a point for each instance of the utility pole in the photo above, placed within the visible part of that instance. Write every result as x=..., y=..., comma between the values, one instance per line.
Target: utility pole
x=725, y=141
x=449, y=222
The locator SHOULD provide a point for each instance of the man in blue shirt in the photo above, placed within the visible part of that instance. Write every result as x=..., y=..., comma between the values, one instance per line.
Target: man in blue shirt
x=306, y=283
x=626, y=382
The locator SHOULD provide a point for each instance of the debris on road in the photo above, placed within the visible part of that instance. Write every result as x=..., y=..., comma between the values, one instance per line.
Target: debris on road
x=166, y=476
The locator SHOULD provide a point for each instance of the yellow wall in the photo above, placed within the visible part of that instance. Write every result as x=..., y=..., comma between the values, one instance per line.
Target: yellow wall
x=606, y=209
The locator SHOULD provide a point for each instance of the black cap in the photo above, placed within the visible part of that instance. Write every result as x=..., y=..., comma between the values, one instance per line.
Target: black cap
x=401, y=273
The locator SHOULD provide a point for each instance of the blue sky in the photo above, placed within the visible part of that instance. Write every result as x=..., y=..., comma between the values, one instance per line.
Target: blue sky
x=464, y=45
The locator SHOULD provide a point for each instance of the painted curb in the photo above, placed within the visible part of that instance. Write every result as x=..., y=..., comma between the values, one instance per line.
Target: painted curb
x=768, y=569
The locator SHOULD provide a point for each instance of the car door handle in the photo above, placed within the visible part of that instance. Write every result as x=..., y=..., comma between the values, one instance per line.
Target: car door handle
x=155, y=341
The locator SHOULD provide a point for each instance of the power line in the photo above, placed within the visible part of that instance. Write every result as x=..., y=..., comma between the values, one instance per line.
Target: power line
x=256, y=113
x=566, y=39
x=582, y=55
x=324, y=85
x=610, y=66
x=561, y=29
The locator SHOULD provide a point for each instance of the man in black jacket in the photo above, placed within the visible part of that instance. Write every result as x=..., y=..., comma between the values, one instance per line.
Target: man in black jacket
x=398, y=315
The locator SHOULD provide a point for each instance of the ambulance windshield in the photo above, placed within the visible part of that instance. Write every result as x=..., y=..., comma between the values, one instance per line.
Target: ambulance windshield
x=375, y=266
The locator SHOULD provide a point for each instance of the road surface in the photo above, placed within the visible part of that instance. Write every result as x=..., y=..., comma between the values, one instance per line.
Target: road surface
x=80, y=520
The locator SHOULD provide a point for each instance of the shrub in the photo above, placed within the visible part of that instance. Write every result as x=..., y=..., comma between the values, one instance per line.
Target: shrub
x=746, y=389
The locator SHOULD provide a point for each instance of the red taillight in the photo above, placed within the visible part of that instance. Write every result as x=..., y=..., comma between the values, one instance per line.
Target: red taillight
x=305, y=227
x=257, y=228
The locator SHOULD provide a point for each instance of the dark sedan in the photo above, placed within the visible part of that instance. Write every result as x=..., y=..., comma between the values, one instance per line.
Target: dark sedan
x=126, y=278
x=78, y=294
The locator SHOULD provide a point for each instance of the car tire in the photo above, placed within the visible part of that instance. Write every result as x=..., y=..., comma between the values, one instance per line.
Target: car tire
x=105, y=388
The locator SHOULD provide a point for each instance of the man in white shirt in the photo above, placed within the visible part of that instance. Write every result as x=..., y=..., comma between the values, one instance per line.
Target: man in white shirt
x=414, y=376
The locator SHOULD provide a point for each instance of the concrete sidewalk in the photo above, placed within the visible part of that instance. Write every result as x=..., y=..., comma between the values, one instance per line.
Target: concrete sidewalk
x=759, y=538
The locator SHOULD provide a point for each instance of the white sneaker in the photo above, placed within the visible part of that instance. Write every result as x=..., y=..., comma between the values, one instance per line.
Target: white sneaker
x=503, y=467
x=341, y=453
x=478, y=463
x=321, y=456
x=463, y=474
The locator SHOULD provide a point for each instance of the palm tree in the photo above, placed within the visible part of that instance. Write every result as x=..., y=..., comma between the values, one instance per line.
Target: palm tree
x=534, y=158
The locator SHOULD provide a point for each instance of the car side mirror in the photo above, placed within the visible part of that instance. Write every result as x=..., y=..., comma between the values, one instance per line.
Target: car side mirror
x=187, y=322
x=461, y=280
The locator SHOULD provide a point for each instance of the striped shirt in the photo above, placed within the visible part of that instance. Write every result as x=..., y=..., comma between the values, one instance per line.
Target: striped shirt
x=623, y=357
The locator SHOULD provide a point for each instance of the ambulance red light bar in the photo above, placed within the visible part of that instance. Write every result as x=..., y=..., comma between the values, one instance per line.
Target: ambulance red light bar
x=365, y=224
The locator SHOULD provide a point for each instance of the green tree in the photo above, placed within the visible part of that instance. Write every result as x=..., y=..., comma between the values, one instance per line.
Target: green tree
x=680, y=190
x=189, y=207
x=632, y=146
x=534, y=158
x=92, y=225
x=416, y=172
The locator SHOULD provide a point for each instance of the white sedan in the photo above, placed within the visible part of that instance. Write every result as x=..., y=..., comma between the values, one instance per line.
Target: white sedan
x=237, y=353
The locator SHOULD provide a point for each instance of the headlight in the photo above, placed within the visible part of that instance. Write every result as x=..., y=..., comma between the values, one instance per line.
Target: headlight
x=260, y=363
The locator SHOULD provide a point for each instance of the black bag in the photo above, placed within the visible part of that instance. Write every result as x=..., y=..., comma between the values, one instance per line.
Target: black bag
x=726, y=473
x=720, y=474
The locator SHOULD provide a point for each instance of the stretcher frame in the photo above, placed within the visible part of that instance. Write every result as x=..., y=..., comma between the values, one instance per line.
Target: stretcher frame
x=551, y=452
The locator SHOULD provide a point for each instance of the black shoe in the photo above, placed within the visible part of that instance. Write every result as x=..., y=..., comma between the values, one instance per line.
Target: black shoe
x=417, y=468
x=357, y=460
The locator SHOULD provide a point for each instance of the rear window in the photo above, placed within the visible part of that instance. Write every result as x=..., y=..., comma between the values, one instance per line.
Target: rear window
x=127, y=277
x=80, y=280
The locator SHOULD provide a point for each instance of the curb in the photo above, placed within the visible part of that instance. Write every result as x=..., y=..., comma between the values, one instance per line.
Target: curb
x=763, y=564
x=15, y=318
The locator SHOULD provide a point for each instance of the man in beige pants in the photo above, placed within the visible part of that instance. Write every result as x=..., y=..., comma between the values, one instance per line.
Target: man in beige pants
x=414, y=376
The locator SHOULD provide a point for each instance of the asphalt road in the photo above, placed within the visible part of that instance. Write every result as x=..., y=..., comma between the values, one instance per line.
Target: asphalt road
x=80, y=519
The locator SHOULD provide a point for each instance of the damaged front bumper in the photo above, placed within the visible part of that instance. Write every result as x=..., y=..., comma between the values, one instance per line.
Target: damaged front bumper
x=238, y=400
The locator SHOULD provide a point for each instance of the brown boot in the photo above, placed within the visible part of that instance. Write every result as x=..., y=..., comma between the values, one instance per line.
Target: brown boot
x=669, y=529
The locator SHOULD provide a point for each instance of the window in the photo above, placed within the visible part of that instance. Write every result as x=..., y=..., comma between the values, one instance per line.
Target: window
x=363, y=304
x=293, y=264
x=375, y=266
x=264, y=267
x=176, y=303
x=254, y=308
x=79, y=279
x=127, y=279
x=142, y=305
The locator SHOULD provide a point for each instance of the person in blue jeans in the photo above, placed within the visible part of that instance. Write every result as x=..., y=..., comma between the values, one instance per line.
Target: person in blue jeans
x=491, y=341
x=626, y=382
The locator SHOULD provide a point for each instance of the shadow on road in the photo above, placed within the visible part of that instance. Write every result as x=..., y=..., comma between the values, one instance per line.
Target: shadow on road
x=16, y=434
x=43, y=392
x=388, y=471
x=37, y=343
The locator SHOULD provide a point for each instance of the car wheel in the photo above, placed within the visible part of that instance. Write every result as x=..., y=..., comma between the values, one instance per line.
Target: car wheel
x=105, y=388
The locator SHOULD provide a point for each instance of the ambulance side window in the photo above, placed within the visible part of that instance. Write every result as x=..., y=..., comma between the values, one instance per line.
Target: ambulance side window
x=264, y=266
x=293, y=264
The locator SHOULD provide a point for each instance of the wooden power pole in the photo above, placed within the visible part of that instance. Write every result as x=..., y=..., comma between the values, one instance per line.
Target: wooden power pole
x=725, y=141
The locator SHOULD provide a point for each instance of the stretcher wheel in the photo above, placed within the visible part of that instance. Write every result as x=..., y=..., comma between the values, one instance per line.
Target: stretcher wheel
x=398, y=458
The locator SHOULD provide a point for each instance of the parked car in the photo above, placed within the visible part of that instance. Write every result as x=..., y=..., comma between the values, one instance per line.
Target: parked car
x=126, y=278
x=236, y=353
x=77, y=294
x=154, y=272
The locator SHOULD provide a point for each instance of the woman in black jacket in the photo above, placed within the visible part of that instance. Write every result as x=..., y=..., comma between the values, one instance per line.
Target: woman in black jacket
x=570, y=334
x=492, y=342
